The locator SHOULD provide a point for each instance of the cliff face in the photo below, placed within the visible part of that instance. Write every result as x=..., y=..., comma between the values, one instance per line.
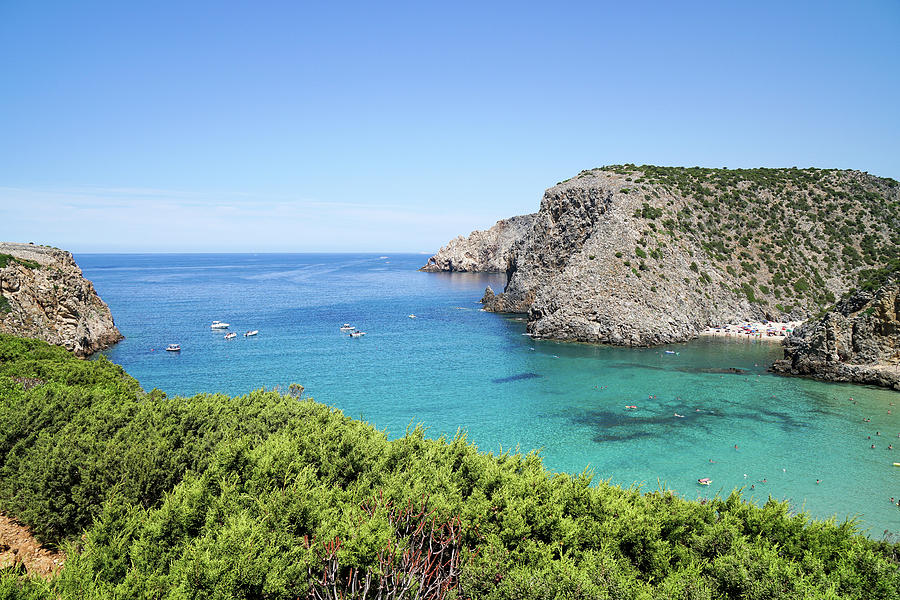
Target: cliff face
x=857, y=341
x=487, y=251
x=45, y=296
x=648, y=255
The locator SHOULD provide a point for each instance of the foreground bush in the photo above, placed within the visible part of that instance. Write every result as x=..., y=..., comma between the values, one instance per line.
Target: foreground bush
x=268, y=496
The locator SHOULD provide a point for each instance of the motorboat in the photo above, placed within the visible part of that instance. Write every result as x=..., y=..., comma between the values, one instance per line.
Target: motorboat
x=219, y=325
x=249, y=333
x=347, y=327
x=173, y=348
x=412, y=316
x=230, y=336
x=357, y=333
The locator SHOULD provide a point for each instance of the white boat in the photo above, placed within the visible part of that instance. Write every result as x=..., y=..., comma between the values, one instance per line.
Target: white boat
x=249, y=333
x=412, y=316
x=357, y=333
x=230, y=336
x=219, y=325
x=173, y=348
x=347, y=327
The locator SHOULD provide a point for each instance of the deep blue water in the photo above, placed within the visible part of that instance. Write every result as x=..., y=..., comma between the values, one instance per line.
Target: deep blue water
x=455, y=367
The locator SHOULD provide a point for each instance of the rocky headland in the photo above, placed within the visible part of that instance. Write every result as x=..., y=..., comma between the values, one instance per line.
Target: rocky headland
x=648, y=255
x=44, y=295
x=857, y=341
x=488, y=251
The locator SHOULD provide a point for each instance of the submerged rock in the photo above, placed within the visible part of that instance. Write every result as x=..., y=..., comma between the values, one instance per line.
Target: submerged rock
x=44, y=295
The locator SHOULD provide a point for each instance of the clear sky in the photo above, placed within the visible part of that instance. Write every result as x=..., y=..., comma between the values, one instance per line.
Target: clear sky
x=326, y=126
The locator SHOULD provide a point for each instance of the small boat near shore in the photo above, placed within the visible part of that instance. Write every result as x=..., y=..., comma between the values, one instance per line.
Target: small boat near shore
x=704, y=481
x=173, y=348
x=230, y=336
x=252, y=333
x=355, y=334
x=219, y=325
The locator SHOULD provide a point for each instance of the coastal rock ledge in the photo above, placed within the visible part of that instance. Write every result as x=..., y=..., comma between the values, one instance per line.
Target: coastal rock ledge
x=858, y=341
x=488, y=251
x=44, y=295
x=642, y=255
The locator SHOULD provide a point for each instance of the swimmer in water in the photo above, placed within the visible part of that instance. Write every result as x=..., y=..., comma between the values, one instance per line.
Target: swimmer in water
x=817, y=481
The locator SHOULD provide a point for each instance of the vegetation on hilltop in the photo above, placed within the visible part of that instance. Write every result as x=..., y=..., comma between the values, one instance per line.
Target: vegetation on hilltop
x=269, y=496
x=793, y=239
x=7, y=259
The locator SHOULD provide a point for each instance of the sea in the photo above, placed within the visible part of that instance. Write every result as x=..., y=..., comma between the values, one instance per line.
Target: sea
x=647, y=418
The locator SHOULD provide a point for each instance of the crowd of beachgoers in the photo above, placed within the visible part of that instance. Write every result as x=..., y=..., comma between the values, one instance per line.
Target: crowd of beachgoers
x=762, y=330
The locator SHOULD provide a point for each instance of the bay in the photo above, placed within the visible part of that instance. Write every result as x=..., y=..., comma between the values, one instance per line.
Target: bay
x=456, y=368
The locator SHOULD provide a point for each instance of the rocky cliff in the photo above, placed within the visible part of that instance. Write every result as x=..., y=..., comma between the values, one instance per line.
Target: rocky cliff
x=857, y=341
x=44, y=295
x=487, y=251
x=647, y=255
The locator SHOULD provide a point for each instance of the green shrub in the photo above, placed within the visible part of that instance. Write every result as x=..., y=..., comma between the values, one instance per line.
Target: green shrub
x=7, y=259
x=255, y=497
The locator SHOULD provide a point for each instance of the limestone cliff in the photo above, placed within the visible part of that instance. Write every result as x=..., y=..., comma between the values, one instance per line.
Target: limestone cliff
x=44, y=295
x=857, y=341
x=647, y=255
x=487, y=251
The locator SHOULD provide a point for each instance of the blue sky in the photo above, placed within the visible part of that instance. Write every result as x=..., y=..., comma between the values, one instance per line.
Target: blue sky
x=294, y=126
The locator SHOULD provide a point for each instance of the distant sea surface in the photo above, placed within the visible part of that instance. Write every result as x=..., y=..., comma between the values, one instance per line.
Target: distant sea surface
x=454, y=367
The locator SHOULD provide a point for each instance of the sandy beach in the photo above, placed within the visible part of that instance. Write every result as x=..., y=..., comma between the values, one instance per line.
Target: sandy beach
x=770, y=331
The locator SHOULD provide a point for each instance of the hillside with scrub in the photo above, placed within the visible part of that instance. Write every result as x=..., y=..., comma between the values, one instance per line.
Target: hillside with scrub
x=273, y=495
x=643, y=255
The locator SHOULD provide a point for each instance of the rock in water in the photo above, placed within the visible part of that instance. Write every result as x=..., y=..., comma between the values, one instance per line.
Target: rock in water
x=44, y=295
x=488, y=251
x=857, y=341
x=648, y=255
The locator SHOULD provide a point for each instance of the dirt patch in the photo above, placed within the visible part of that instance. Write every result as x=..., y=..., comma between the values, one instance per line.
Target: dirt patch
x=19, y=547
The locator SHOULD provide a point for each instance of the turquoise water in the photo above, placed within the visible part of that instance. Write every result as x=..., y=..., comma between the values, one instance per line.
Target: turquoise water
x=455, y=367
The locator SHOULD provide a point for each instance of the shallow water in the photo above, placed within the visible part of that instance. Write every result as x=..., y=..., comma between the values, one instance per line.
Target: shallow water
x=456, y=367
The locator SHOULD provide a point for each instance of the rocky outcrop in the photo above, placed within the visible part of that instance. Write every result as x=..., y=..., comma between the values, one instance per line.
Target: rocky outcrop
x=646, y=255
x=44, y=295
x=485, y=251
x=857, y=341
